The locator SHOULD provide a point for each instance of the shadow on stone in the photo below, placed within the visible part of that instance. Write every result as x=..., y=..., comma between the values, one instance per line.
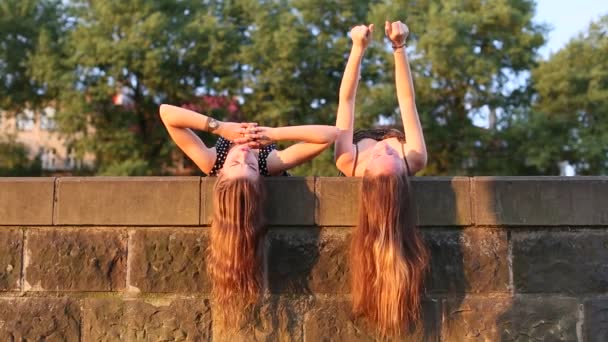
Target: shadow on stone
x=443, y=207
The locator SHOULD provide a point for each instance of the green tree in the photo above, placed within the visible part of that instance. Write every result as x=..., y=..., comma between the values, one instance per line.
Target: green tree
x=150, y=52
x=572, y=103
x=284, y=60
x=23, y=23
x=14, y=159
x=465, y=56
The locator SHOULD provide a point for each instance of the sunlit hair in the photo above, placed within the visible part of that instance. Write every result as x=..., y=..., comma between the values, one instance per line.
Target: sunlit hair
x=235, y=247
x=388, y=257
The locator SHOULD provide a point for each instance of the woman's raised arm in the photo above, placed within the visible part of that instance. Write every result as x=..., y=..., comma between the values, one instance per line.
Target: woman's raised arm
x=415, y=146
x=344, y=152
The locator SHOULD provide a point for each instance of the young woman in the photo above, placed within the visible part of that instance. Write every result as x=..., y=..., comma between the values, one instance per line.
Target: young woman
x=242, y=154
x=388, y=257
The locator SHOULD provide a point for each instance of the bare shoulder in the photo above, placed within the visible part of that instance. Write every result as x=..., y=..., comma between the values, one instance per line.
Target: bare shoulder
x=415, y=159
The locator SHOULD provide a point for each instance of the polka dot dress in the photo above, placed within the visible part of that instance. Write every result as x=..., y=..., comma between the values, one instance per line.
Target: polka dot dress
x=222, y=146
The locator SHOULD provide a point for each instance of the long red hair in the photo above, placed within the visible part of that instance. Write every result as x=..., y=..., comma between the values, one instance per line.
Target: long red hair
x=388, y=257
x=236, y=244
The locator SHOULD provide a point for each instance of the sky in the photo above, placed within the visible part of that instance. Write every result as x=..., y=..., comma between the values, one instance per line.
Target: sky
x=567, y=19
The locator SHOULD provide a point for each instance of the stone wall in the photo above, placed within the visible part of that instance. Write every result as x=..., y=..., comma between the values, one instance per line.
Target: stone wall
x=109, y=259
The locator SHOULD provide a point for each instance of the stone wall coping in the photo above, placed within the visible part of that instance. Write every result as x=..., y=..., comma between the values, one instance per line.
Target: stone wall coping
x=302, y=201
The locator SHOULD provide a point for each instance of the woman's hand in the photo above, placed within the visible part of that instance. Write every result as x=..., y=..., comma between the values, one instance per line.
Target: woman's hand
x=361, y=35
x=235, y=132
x=260, y=136
x=397, y=32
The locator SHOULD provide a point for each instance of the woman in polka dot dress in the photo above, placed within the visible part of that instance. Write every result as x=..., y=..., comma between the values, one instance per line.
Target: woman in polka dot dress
x=243, y=153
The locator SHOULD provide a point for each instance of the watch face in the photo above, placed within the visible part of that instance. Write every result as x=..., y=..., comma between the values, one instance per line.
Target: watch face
x=212, y=123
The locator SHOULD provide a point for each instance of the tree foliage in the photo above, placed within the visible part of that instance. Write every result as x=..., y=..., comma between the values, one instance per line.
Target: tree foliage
x=283, y=61
x=23, y=25
x=572, y=89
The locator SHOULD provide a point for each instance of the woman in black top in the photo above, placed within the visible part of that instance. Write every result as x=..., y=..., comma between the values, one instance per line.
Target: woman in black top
x=387, y=255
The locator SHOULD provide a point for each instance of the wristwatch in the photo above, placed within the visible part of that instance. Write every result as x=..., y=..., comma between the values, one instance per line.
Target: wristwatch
x=212, y=124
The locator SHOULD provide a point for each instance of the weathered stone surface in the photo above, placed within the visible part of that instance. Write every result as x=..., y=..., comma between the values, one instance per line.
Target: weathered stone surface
x=308, y=261
x=39, y=319
x=443, y=201
x=468, y=261
x=290, y=201
x=474, y=319
x=111, y=319
x=510, y=319
x=541, y=200
x=11, y=247
x=332, y=320
x=337, y=201
x=274, y=319
x=180, y=320
x=75, y=260
x=169, y=260
x=206, y=210
x=596, y=320
x=104, y=319
x=26, y=201
x=128, y=201
x=536, y=319
x=568, y=262
x=282, y=193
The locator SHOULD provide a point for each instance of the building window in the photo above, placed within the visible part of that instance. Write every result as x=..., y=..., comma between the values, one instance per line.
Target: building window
x=25, y=120
x=71, y=160
x=48, y=158
x=47, y=119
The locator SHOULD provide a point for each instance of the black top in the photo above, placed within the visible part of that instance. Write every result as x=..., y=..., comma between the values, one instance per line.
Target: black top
x=378, y=134
x=222, y=146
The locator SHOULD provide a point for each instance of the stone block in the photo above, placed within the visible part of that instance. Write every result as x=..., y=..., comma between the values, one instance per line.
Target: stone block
x=337, y=201
x=443, y=201
x=26, y=201
x=440, y=201
x=332, y=320
x=39, y=319
x=104, y=319
x=472, y=260
x=541, y=201
x=274, y=319
x=571, y=262
x=112, y=319
x=11, y=241
x=207, y=184
x=596, y=320
x=75, y=260
x=169, y=260
x=542, y=318
x=473, y=319
x=128, y=201
x=290, y=201
x=510, y=319
x=308, y=261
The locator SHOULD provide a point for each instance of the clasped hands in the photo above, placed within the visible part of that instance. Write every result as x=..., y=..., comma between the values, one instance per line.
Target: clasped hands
x=247, y=133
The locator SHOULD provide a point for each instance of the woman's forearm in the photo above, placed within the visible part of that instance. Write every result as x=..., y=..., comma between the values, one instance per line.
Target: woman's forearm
x=316, y=134
x=407, y=103
x=183, y=118
x=350, y=79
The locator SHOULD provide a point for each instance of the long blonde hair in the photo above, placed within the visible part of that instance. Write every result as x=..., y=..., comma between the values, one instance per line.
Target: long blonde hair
x=388, y=257
x=236, y=244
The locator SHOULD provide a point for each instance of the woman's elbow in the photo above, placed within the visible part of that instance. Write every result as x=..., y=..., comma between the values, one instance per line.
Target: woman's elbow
x=421, y=161
x=163, y=111
x=334, y=132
